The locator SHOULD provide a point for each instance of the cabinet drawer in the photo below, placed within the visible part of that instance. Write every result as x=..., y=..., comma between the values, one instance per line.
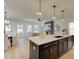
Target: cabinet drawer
x=70, y=42
x=44, y=46
x=48, y=45
x=61, y=41
x=53, y=43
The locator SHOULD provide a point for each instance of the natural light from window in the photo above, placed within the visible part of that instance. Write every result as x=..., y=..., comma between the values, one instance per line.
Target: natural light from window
x=71, y=28
x=20, y=28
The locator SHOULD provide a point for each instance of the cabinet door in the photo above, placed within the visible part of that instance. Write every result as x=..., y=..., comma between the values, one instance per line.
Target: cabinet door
x=72, y=39
x=70, y=42
x=65, y=44
x=61, y=47
x=34, y=51
x=44, y=54
x=54, y=52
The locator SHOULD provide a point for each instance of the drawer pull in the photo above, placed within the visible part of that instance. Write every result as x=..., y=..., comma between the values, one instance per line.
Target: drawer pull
x=60, y=41
x=34, y=48
x=45, y=46
x=55, y=42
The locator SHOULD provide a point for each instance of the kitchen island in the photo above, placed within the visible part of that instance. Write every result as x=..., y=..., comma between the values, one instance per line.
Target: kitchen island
x=50, y=46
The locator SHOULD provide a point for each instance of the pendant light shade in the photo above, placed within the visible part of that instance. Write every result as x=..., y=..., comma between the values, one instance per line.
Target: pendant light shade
x=39, y=12
x=62, y=15
x=54, y=17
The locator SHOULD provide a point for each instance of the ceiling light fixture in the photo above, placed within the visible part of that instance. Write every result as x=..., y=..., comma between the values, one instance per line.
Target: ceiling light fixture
x=39, y=12
x=62, y=15
x=54, y=17
x=6, y=22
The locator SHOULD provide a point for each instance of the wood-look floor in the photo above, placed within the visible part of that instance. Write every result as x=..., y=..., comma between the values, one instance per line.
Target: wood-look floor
x=68, y=55
x=22, y=52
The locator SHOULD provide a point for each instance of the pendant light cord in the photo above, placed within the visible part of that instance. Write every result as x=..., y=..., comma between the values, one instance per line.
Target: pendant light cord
x=54, y=12
x=39, y=5
x=62, y=14
x=54, y=9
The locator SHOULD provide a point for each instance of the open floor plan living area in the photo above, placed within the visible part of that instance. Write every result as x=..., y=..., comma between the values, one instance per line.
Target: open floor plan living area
x=39, y=29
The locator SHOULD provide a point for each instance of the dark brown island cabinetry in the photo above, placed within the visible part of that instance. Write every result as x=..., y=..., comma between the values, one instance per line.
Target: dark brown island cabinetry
x=44, y=54
x=70, y=42
x=61, y=47
x=54, y=51
x=51, y=50
x=65, y=44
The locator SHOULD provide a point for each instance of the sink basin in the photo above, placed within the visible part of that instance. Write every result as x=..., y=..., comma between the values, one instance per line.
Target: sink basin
x=58, y=36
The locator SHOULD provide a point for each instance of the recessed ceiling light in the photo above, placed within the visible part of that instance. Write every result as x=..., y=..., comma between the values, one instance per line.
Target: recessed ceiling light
x=6, y=21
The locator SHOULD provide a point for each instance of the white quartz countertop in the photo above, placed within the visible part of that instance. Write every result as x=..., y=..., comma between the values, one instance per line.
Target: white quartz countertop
x=45, y=39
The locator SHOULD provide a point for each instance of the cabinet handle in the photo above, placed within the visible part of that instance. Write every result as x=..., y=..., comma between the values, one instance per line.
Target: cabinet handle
x=34, y=48
x=55, y=42
x=45, y=46
x=60, y=42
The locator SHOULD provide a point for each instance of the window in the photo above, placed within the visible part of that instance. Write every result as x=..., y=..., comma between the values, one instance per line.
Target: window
x=20, y=28
x=29, y=28
x=35, y=28
x=8, y=28
x=71, y=28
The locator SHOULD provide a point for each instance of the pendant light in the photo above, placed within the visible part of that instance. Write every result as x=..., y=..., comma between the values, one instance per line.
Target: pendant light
x=39, y=12
x=54, y=17
x=62, y=15
x=6, y=21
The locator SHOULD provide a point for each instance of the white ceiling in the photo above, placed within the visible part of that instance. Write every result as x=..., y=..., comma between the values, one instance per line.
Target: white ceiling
x=26, y=9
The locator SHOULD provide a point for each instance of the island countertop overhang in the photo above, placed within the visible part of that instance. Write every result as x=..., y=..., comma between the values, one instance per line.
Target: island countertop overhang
x=43, y=40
